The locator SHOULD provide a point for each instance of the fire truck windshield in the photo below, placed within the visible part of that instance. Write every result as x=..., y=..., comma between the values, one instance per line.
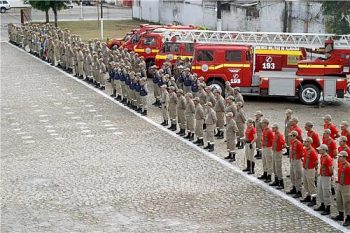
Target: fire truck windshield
x=149, y=41
x=171, y=47
x=135, y=39
x=205, y=55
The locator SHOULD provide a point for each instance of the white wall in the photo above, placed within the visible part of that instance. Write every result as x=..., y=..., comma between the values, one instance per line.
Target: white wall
x=203, y=13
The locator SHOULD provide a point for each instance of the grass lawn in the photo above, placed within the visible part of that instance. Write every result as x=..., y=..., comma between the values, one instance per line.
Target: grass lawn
x=90, y=29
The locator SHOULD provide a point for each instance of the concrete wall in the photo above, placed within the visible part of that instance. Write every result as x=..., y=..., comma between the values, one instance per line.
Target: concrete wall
x=268, y=15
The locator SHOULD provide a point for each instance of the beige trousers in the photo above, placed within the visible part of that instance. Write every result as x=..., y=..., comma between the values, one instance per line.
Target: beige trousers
x=296, y=173
x=249, y=153
x=277, y=164
x=309, y=182
x=324, y=189
x=267, y=159
x=343, y=198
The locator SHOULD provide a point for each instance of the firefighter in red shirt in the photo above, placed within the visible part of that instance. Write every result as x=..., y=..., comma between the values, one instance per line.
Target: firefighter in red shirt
x=266, y=144
x=327, y=119
x=312, y=134
x=310, y=162
x=278, y=144
x=332, y=151
x=324, y=180
x=343, y=146
x=250, y=146
x=345, y=132
x=343, y=189
x=294, y=127
x=296, y=153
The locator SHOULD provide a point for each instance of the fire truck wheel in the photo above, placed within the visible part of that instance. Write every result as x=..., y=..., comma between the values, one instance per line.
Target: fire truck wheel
x=216, y=84
x=309, y=94
x=348, y=89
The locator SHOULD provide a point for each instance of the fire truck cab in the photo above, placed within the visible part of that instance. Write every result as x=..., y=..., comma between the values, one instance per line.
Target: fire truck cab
x=151, y=42
x=335, y=62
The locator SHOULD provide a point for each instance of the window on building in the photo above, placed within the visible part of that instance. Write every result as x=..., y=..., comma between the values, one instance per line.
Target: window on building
x=205, y=55
x=149, y=41
x=189, y=47
x=253, y=12
x=138, y=2
x=233, y=56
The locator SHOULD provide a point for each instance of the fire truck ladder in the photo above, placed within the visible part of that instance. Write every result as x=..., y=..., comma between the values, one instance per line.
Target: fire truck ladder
x=342, y=41
x=291, y=41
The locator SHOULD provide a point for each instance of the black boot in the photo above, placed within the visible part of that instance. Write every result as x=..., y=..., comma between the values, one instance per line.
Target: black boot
x=298, y=194
x=275, y=183
x=241, y=145
x=188, y=135
x=238, y=143
x=207, y=147
x=182, y=132
x=155, y=103
x=217, y=133
x=221, y=135
x=174, y=127
x=312, y=202
x=332, y=190
x=248, y=167
x=163, y=123
x=233, y=157
x=114, y=93
x=201, y=142
x=171, y=126
x=139, y=110
x=263, y=176
x=287, y=152
x=211, y=148
x=229, y=156
x=196, y=142
x=339, y=217
x=268, y=179
x=191, y=137
x=320, y=208
x=327, y=211
x=204, y=126
x=252, y=166
x=280, y=185
x=347, y=221
x=258, y=154
x=306, y=199
x=292, y=191
x=144, y=113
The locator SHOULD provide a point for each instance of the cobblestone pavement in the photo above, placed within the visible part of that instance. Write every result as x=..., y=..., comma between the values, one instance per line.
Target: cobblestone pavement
x=74, y=161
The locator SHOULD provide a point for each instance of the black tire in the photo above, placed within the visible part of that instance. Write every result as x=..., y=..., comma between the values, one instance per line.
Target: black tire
x=3, y=10
x=348, y=89
x=309, y=94
x=215, y=83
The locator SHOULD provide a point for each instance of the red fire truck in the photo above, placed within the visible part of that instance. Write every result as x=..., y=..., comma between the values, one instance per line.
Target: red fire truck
x=231, y=56
x=132, y=37
x=151, y=41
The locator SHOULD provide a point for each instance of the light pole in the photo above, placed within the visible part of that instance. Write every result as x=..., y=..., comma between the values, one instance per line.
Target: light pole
x=81, y=9
x=101, y=26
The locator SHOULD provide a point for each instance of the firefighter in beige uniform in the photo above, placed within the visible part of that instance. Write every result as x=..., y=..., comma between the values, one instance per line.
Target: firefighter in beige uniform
x=200, y=117
x=103, y=74
x=202, y=95
x=181, y=108
x=210, y=96
x=231, y=131
x=240, y=119
x=210, y=121
x=172, y=108
x=96, y=70
x=238, y=96
x=219, y=108
x=80, y=60
x=288, y=125
x=189, y=114
x=231, y=106
x=143, y=95
x=164, y=101
x=228, y=89
x=259, y=130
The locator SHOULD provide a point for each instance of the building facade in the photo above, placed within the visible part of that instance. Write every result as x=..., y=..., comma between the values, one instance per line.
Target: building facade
x=237, y=15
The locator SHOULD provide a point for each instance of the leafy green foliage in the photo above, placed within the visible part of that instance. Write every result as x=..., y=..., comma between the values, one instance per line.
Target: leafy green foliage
x=46, y=5
x=337, y=16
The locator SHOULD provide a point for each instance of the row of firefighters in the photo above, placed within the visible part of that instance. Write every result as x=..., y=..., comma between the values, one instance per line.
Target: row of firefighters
x=317, y=164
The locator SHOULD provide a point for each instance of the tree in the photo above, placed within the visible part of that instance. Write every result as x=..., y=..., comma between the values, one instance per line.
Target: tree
x=46, y=5
x=338, y=16
x=42, y=6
